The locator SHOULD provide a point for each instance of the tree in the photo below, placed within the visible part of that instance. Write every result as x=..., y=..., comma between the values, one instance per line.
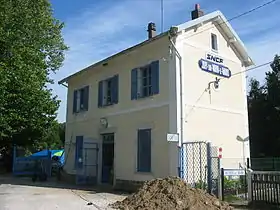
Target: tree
x=53, y=138
x=32, y=48
x=264, y=113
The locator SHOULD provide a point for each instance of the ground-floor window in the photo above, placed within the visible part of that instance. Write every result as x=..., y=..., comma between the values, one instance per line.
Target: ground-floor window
x=144, y=150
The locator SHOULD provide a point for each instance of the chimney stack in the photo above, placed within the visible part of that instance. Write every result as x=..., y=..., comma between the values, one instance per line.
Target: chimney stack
x=196, y=13
x=151, y=30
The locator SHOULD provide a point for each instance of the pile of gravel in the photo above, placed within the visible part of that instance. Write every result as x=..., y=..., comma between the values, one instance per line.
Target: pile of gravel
x=170, y=193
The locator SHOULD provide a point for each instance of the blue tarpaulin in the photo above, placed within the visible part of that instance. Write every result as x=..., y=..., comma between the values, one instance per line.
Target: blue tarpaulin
x=45, y=153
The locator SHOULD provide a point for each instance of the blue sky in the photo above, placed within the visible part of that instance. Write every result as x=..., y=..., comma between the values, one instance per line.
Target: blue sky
x=97, y=29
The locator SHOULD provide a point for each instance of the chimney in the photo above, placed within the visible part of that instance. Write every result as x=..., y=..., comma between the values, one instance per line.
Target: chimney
x=151, y=30
x=196, y=13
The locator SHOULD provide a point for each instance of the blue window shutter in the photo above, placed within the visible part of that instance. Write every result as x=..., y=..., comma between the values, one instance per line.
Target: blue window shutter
x=86, y=96
x=144, y=151
x=155, y=77
x=115, y=91
x=134, y=84
x=75, y=101
x=79, y=151
x=100, y=93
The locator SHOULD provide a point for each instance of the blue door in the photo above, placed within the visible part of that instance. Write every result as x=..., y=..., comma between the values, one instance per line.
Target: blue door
x=79, y=152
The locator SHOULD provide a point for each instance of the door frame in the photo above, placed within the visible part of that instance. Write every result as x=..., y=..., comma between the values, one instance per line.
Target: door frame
x=113, y=165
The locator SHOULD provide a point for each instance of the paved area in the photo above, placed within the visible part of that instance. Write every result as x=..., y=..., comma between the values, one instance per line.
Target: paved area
x=20, y=196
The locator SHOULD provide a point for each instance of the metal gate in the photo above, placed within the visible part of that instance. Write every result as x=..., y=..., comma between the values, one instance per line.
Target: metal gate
x=88, y=173
x=200, y=166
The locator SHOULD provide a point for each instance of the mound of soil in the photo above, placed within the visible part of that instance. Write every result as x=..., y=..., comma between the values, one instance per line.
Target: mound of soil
x=170, y=193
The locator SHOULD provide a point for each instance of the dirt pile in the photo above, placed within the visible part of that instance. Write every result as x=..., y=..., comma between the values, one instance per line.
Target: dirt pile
x=170, y=194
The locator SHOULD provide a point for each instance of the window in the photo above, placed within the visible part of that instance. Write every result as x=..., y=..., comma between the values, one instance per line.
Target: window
x=80, y=101
x=108, y=91
x=79, y=152
x=145, y=81
x=144, y=150
x=214, y=42
x=145, y=88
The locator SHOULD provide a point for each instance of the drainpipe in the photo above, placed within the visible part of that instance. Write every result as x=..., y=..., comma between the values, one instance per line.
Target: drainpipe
x=181, y=159
x=181, y=90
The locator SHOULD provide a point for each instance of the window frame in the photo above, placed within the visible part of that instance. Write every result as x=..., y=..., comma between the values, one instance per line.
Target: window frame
x=147, y=86
x=144, y=90
x=81, y=99
x=214, y=42
x=107, y=92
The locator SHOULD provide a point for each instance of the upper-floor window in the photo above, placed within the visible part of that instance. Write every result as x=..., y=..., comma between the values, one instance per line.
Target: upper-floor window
x=145, y=81
x=108, y=93
x=214, y=42
x=80, y=100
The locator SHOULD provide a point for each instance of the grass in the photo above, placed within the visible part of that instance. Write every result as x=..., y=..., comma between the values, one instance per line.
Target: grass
x=232, y=198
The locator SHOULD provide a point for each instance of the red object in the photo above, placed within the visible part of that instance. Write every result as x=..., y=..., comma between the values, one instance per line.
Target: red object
x=197, y=6
x=220, y=152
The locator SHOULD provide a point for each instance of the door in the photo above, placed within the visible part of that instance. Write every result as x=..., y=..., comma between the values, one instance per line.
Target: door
x=107, y=158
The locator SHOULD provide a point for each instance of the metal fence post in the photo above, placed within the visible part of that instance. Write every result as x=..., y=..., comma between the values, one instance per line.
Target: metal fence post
x=183, y=161
x=223, y=184
x=249, y=180
x=248, y=163
x=220, y=190
x=209, y=168
x=14, y=158
x=180, y=162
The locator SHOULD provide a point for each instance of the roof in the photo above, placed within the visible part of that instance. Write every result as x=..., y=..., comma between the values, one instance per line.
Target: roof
x=216, y=16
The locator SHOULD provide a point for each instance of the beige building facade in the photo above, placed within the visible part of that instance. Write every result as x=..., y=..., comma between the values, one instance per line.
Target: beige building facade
x=188, y=81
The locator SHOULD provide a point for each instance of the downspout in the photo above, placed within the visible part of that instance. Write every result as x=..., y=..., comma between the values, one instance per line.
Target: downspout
x=173, y=34
x=63, y=84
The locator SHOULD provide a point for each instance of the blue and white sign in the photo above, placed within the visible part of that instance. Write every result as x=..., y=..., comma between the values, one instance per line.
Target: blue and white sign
x=234, y=172
x=213, y=64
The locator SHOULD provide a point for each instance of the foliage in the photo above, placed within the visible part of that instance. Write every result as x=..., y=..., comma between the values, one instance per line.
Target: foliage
x=53, y=138
x=32, y=48
x=231, y=184
x=200, y=185
x=264, y=113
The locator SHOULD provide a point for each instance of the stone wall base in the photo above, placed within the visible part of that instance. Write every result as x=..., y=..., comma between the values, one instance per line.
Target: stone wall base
x=128, y=185
x=67, y=178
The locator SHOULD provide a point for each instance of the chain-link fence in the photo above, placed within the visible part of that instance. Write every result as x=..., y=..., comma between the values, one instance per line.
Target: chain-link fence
x=200, y=166
x=88, y=173
x=194, y=163
x=215, y=176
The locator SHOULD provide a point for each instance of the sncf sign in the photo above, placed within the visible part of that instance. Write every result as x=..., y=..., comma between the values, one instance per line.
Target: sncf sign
x=214, y=58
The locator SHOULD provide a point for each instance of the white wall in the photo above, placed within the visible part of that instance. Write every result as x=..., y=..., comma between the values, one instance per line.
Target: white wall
x=222, y=115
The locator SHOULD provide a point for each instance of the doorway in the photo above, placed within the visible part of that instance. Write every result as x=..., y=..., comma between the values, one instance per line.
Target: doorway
x=108, y=158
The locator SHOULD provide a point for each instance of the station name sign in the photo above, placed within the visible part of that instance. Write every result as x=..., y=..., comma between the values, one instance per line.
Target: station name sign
x=214, y=64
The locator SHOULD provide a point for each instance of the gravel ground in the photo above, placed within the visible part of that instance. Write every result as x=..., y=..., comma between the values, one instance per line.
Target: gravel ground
x=21, y=196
